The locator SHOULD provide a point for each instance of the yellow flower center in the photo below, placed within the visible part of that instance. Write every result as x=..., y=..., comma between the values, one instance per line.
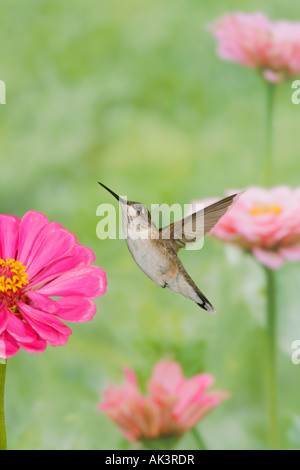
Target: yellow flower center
x=265, y=210
x=13, y=277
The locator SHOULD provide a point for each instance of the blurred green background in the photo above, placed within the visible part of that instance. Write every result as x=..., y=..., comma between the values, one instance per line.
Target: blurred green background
x=131, y=93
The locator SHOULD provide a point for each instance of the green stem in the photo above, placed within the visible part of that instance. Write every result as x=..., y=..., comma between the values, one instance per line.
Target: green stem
x=272, y=363
x=198, y=438
x=2, y=418
x=267, y=170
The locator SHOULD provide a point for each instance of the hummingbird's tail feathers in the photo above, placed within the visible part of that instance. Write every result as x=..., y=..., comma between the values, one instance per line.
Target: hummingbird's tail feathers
x=183, y=284
x=206, y=305
x=198, y=296
x=201, y=300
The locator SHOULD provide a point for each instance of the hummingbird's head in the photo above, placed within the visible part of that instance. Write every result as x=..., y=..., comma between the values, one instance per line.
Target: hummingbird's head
x=138, y=213
x=136, y=209
x=132, y=211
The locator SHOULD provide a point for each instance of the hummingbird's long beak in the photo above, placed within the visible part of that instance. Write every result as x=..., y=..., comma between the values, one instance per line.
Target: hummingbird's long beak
x=111, y=192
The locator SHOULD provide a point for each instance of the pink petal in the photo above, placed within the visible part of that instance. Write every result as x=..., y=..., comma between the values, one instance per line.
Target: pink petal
x=42, y=301
x=130, y=376
x=46, y=325
x=203, y=381
x=76, y=258
x=2, y=349
x=20, y=330
x=9, y=235
x=168, y=374
x=89, y=281
x=84, y=253
x=52, y=242
x=196, y=412
x=4, y=313
x=75, y=309
x=31, y=225
x=36, y=346
x=268, y=258
x=188, y=395
x=291, y=253
x=8, y=346
x=273, y=77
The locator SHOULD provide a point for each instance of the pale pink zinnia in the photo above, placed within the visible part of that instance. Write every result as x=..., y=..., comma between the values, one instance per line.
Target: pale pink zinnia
x=255, y=41
x=265, y=222
x=174, y=404
x=40, y=260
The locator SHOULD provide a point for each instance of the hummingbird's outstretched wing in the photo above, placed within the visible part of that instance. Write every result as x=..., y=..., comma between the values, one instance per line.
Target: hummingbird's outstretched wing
x=194, y=226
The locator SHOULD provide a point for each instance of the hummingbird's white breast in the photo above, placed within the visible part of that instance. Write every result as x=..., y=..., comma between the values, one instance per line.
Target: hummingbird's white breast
x=141, y=238
x=149, y=258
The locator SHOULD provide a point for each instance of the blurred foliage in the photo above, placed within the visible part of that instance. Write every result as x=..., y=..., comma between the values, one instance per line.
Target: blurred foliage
x=131, y=93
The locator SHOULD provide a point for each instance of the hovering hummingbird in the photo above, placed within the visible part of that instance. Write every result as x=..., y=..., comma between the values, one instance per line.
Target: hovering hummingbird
x=155, y=250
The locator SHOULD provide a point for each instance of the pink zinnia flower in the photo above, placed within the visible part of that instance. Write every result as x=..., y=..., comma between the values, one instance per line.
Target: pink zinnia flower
x=39, y=260
x=174, y=404
x=254, y=41
x=265, y=222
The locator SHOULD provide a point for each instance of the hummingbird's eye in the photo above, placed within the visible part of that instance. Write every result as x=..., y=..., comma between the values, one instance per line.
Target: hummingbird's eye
x=138, y=209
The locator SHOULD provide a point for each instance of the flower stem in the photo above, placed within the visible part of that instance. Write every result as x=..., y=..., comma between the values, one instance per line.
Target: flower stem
x=2, y=418
x=267, y=170
x=198, y=438
x=272, y=363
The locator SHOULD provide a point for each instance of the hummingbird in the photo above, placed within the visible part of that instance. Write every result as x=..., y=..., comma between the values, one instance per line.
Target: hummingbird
x=155, y=249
